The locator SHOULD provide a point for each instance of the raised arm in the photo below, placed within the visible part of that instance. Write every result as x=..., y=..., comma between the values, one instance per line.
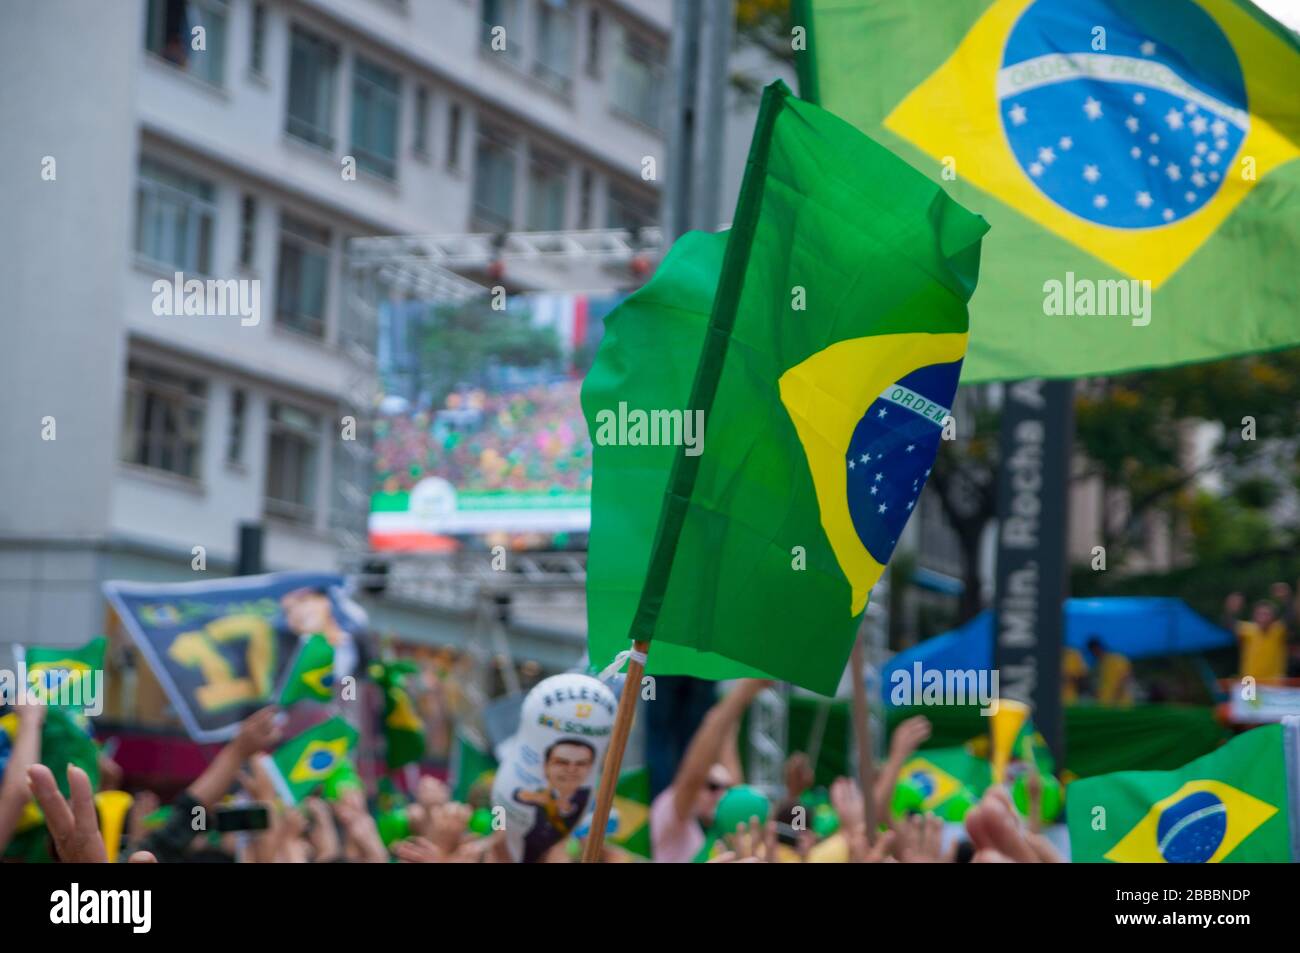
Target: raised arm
x=26, y=752
x=258, y=732
x=706, y=748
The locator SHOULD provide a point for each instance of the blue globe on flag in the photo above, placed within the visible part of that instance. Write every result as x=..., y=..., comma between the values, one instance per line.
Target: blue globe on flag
x=1130, y=134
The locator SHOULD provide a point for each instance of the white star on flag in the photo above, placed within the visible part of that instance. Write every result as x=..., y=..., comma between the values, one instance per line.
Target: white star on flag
x=1198, y=180
x=1196, y=162
x=1219, y=128
x=866, y=458
x=1191, y=107
x=1173, y=172
x=1174, y=118
x=1035, y=169
x=1066, y=143
x=1148, y=48
x=1144, y=199
x=909, y=503
x=1132, y=123
x=882, y=413
x=1018, y=115
x=1046, y=155
x=1221, y=144
x=1167, y=215
x=1139, y=98
x=1091, y=173
x=1153, y=161
x=881, y=508
x=1198, y=125
x=1101, y=201
x=1092, y=108
x=1153, y=138
x=911, y=447
x=1214, y=176
x=879, y=477
x=850, y=464
x=1202, y=148
x=1213, y=157
x=1190, y=196
x=1135, y=152
x=874, y=489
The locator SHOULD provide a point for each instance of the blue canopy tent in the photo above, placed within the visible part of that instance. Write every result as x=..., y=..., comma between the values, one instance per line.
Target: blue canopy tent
x=1136, y=626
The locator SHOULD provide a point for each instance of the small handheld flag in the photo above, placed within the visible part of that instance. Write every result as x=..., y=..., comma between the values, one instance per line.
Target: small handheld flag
x=311, y=677
x=301, y=764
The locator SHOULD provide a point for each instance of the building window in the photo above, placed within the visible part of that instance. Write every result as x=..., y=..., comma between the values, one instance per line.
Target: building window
x=494, y=178
x=173, y=29
x=638, y=79
x=257, y=40
x=175, y=216
x=235, y=430
x=420, y=140
x=313, y=67
x=629, y=210
x=291, y=462
x=593, y=42
x=586, y=186
x=303, y=279
x=376, y=105
x=509, y=15
x=247, y=231
x=546, y=179
x=453, y=136
x=554, y=65
x=162, y=420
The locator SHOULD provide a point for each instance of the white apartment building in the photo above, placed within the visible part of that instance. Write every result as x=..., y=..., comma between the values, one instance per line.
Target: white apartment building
x=250, y=140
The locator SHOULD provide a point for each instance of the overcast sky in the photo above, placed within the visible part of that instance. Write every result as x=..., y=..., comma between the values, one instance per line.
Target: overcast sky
x=1284, y=11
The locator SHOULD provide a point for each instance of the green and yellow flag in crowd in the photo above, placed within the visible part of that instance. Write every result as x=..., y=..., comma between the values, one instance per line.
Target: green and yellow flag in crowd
x=62, y=673
x=943, y=781
x=1109, y=145
x=403, y=728
x=765, y=411
x=310, y=759
x=1228, y=806
x=311, y=676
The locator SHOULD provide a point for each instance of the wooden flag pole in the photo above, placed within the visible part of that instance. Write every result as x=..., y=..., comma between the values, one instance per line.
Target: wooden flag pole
x=595, y=843
x=862, y=731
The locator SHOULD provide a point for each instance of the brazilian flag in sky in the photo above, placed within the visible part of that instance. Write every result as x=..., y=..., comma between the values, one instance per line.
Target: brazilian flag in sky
x=311, y=677
x=1230, y=805
x=813, y=352
x=1105, y=142
x=310, y=759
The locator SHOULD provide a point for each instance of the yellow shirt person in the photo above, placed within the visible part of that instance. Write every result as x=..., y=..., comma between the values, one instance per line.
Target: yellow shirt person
x=1263, y=648
x=1261, y=639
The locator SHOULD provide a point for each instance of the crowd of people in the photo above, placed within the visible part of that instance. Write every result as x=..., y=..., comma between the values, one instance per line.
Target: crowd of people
x=533, y=439
x=686, y=823
x=347, y=826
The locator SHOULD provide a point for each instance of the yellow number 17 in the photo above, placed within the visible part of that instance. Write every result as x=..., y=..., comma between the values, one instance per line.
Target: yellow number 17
x=222, y=687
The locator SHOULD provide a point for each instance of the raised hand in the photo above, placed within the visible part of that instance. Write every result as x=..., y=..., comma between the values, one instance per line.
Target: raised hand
x=72, y=822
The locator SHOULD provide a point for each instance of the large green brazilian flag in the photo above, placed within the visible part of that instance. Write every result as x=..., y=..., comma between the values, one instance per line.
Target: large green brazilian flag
x=1106, y=143
x=820, y=344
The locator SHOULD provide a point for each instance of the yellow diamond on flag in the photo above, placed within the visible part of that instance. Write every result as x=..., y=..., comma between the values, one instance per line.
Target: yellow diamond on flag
x=1201, y=822
x=318, y=760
